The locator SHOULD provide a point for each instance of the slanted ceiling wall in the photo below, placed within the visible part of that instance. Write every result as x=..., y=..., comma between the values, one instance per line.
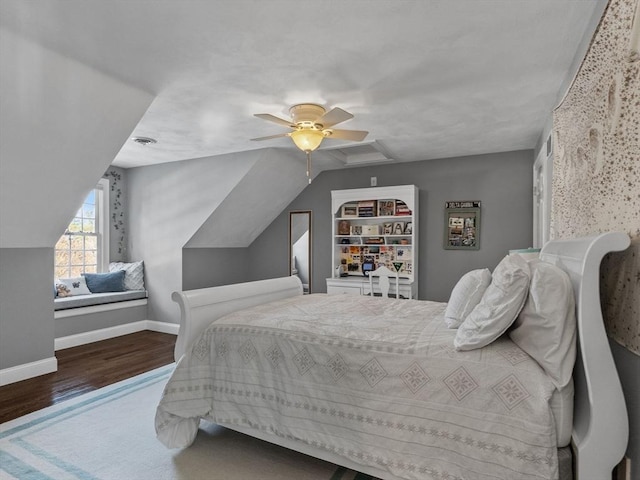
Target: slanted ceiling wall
x=273, y=181
x=62, y=124
x=221, y=202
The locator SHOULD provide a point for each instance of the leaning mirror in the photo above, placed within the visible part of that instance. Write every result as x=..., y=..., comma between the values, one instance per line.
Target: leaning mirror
x=300, y=247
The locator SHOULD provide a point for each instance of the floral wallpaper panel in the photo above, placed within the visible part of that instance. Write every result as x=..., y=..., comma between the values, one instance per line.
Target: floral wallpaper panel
x=596, y=184
x=117, y=215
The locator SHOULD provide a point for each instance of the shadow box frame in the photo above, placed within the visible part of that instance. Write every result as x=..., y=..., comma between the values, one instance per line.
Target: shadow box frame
x=462, y=225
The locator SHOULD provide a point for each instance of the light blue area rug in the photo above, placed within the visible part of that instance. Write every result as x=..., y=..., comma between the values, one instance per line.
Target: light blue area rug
x=109, y=434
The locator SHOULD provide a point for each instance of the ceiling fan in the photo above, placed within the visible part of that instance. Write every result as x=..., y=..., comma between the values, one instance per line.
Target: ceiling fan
x=311, y=124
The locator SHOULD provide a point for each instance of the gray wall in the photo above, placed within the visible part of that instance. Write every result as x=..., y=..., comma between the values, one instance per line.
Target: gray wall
x=628, y=365
x=502, y=181
x=210, y=267
x=26, y=306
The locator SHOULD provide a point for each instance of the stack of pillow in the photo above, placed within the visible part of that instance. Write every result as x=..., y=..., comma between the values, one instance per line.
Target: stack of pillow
x=532, y=300
x=120, y=278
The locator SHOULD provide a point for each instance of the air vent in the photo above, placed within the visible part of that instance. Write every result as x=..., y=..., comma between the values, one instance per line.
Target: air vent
x=144, y=140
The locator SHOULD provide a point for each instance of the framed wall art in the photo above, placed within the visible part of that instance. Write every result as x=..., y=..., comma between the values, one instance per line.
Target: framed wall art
x=462, y=225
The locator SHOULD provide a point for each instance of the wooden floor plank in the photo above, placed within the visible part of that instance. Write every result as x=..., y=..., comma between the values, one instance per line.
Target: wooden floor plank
x=86, y=368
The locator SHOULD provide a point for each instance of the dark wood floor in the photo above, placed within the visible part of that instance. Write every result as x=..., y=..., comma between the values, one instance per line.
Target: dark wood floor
x=85, y=368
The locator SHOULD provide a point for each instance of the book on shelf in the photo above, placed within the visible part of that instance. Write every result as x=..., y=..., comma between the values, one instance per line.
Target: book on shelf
x=374, y=241
x=367, y=208
x=402, y=209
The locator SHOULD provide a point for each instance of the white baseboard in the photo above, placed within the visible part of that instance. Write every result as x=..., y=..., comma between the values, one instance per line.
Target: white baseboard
x=28, y=370
x=112, y=332
x=163, y=327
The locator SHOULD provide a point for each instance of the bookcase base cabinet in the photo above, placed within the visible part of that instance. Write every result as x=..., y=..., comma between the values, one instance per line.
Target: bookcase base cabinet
x=360, y=286
x=373, y=227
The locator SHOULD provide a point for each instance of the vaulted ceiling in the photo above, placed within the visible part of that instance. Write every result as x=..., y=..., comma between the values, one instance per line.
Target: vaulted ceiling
x=427, y=78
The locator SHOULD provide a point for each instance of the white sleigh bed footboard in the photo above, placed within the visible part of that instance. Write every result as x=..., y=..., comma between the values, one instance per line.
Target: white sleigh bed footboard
x=198, y=308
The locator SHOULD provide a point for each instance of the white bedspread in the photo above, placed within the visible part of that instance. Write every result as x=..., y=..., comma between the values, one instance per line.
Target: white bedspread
x=373, y=380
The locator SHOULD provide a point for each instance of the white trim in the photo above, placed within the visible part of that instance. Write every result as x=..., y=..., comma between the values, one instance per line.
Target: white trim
x=28, y=370
x=105, y=307
x=112, y=332
x=542, y=186
x=163, y=327
x=102, y=212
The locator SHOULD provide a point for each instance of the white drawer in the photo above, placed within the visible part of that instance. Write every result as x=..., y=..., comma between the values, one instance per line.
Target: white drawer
x=343, y=290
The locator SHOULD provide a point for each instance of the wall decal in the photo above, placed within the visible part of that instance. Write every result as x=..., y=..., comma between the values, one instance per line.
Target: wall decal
x=117, y=220
x=596, y=181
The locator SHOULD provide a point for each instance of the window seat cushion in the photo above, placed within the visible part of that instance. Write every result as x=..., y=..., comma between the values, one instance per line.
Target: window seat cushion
x=63, y=303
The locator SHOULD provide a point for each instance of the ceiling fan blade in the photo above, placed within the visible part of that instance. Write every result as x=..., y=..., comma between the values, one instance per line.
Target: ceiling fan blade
x=274, y=119
x=334, y=116
x=354, y=135
x=270, y=137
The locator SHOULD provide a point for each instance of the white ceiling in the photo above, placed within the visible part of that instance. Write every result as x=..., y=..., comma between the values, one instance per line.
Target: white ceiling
x=427, y=78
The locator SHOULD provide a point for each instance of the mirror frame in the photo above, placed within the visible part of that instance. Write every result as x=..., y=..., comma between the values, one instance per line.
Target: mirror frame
x=309, y=214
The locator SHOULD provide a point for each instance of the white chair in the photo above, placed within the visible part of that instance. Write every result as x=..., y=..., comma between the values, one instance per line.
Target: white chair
x=383, y=274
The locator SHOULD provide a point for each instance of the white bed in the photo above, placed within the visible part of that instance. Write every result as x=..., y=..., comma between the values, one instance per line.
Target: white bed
x=600, y=427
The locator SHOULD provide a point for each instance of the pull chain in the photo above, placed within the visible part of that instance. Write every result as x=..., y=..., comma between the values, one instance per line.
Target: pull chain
x=309, y=166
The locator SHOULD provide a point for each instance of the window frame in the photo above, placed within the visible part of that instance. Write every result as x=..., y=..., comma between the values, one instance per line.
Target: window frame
x=102, y=207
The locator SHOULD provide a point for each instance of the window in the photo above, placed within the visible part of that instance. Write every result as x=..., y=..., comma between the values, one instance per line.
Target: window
x=84, y=246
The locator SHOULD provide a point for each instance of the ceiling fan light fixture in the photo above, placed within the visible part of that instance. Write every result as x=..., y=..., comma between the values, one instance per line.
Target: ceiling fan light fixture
x=307, y=140
x=311, y=123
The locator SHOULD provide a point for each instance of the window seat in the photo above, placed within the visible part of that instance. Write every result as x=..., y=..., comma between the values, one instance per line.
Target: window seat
x=76, y=301
x=87, y=318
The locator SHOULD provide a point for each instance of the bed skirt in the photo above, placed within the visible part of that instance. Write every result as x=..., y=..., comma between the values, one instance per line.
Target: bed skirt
x=565, y=463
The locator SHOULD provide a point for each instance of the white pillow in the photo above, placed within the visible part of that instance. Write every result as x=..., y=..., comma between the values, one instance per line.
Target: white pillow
x=133, y=276
x=466, y=295
x=499, y=307
x=68, y=287
x=546, y=326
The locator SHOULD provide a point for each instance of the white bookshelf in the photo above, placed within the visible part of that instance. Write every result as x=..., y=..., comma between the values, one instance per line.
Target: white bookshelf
x=372, y=227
